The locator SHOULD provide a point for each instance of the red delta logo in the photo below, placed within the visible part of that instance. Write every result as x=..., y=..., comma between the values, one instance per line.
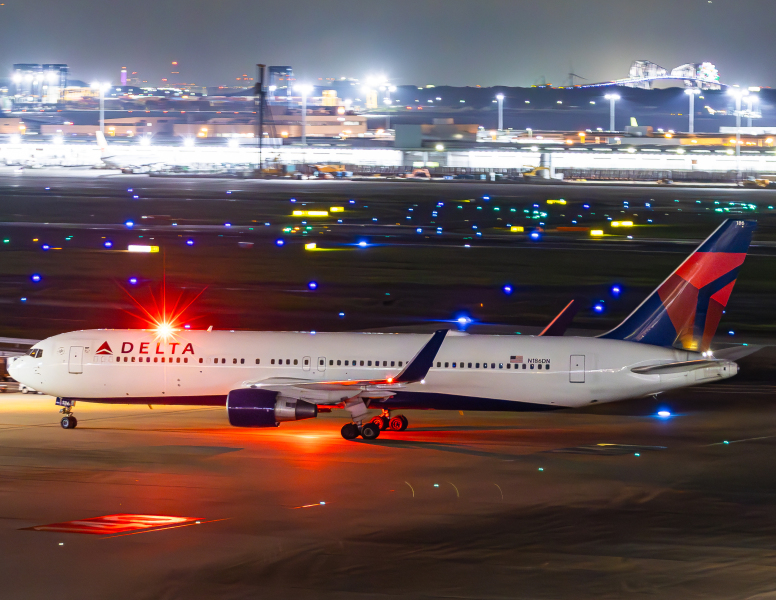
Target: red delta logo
x=104, y=349
x=143, y=348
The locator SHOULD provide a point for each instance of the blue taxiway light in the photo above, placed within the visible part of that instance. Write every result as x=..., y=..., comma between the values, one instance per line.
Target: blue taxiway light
x=108, y=244
x=280, y=242
x=187, y=326
x=292, y=200
x=313, y=285
x=419, y=230
x=45, y=247
x=363, y=244
x=535, y=235
x=135, y=197
x=341, y=315
x=599, y=308
x=507, y=289
x=227, y=224
x=189, y=242
x=24, y=299
x=129, y=223
x=664, y=414
x=35, y=277
x=133, y=280
x=616, y=290
x=731, y=332
x=130, y=190
x=352, y=202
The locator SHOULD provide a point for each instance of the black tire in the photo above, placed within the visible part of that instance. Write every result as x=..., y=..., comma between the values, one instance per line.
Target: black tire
x=370, y=431
x=66, y=422
x=381, y=422
x=397, y=424
x=404, y=422
x=350, y=431
x=73, y=422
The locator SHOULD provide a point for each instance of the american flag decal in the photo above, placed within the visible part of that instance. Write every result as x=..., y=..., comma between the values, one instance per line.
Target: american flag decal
x=515, y=359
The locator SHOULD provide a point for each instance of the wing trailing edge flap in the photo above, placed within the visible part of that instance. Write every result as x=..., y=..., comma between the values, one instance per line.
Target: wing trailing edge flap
x=333, y=391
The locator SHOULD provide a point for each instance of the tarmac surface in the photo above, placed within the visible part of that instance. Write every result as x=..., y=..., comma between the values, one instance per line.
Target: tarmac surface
x=607, y=503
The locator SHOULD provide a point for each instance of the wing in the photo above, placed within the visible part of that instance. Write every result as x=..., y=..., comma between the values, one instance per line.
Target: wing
x=333, y=391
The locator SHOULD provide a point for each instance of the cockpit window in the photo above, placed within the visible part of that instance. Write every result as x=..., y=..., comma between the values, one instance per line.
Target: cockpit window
x=32, y=352
x=36, y=352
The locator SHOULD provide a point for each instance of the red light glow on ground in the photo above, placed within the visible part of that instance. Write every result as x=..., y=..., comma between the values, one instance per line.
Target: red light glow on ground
x=113, y=524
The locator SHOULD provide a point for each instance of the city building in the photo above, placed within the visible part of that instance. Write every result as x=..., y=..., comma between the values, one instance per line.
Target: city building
x=281, y=82
x=38, y=83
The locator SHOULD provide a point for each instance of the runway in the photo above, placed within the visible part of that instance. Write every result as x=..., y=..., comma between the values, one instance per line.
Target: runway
x=589, y=504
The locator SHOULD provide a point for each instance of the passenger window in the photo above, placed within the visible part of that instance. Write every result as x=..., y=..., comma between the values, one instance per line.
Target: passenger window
x=133, y=359
x=392, y=363
x=492, y=365
x=385, y=363
x=477, y=365
x=331, y=362
x=439, y=364
x=523, y=366
x=162, y=358
x=258, y=361
x=306, y=361
x=125, y=359
x=118, y=359
x=272, y=361
x=470, y=365
x=369, y=363
x=539, y=367
x=484, y=365
x=184, y=360
x=288, y=361
x=400, y=363
x=200, y=361
x=362, y=363
x=346, y=363
x=177, y=360
x=500, y=365
x=547, y=367
x=339, y=362
x=447, y=365
x=532, y=365
x=242, y=361
x=296, y=361
x=157, y=360
x=453, y=365
x=223, y=361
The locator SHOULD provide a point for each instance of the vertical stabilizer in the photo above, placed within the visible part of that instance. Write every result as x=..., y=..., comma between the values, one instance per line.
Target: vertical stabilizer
x=684, y=311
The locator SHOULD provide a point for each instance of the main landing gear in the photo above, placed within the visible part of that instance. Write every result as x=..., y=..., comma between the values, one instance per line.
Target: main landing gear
x=371, y=430
x=68, y=420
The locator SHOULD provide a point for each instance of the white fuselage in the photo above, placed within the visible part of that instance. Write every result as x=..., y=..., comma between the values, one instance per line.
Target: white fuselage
x=195, y=366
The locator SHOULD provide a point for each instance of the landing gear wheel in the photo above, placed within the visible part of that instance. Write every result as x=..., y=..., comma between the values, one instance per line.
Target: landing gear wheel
x=381, y=422
x=398, y=423
x=370, y=431
x=68, y=422
x=349, y=431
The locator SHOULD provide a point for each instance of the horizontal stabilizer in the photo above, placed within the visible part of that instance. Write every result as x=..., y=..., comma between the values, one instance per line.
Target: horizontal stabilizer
x=676, y=367
x=560, y=324
x=736, y=352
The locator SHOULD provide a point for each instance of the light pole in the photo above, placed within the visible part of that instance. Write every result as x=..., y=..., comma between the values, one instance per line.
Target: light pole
x=304, y=90
x=612, y=98
x=751, y=100
x=500, y=98
x=692, y=93
x=103, y=87
x=738, y=94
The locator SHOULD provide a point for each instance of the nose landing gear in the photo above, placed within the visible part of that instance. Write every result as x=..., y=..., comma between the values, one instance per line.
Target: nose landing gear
x=68, y=420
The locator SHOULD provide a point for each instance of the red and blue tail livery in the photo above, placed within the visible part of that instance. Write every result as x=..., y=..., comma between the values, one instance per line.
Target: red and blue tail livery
x=685, y=310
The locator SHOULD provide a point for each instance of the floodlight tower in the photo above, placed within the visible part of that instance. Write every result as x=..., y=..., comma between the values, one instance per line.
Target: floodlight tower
x=612, y=98
x=692, y=93
x=102, y=87
x=305, y=90
x=738, y=94
x=500, y=98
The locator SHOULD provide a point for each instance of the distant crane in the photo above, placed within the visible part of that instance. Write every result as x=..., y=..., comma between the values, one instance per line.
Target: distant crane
x=572, y=75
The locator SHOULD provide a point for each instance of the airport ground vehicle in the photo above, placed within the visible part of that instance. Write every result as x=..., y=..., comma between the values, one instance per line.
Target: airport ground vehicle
x=265, y=378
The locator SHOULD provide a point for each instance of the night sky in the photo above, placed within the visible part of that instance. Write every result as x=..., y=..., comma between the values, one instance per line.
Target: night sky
x=454, y=42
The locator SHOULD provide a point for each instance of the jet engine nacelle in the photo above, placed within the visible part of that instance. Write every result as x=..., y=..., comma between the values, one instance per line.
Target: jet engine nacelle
x=264, y=408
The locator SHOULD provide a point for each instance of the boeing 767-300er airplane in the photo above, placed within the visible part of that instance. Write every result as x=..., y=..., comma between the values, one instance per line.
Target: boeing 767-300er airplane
x=264, y=378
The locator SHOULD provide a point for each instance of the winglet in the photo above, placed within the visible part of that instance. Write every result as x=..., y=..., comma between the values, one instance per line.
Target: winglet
x=560, y=324
x=417, y=369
